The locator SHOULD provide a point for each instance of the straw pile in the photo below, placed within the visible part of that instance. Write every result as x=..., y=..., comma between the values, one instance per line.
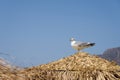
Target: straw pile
x=9, y=72
x=80, y=66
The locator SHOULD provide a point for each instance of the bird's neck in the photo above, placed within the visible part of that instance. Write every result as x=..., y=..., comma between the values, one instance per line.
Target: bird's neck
x=73, y=42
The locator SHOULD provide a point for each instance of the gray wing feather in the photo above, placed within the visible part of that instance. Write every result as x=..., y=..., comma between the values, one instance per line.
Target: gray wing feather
x=81, y=43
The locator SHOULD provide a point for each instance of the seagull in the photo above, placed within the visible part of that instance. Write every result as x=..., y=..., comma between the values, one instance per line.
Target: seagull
x=77, y=45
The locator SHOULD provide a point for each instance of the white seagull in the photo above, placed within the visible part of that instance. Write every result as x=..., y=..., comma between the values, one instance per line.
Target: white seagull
x=80, y=45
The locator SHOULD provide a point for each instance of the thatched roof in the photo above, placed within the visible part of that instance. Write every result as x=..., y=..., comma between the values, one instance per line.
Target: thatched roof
x=9, y=71
x=79, y=66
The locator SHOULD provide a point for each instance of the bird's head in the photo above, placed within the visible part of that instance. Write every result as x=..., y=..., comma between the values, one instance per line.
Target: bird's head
x=72, y=39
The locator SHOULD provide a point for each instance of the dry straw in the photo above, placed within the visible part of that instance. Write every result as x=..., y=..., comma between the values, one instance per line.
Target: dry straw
x=80, y=66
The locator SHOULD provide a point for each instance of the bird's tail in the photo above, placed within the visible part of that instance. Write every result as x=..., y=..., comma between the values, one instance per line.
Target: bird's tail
x=92, y=44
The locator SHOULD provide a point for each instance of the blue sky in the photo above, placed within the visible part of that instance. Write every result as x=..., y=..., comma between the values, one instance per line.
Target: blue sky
x=37, y=32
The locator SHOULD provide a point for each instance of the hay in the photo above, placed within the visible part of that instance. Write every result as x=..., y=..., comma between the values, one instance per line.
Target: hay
x=80, y=66
x=9, y=71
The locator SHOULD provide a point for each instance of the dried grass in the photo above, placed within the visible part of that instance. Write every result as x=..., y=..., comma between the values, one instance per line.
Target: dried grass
x=80, y=66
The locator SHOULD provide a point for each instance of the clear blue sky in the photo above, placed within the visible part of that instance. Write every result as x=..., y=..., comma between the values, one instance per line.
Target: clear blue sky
x=38, y=31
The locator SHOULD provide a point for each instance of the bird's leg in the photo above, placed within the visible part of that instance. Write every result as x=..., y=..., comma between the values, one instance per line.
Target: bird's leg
x=79, y=51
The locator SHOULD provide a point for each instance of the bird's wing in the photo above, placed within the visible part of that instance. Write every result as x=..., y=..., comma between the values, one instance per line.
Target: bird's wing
x=81, y=43
x=78, y=43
